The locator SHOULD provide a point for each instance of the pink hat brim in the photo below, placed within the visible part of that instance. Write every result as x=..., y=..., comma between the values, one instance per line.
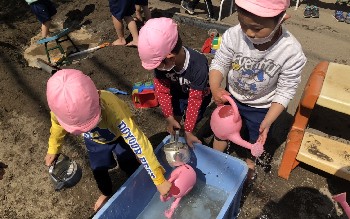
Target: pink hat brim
x=150, y=66
x=259, y=10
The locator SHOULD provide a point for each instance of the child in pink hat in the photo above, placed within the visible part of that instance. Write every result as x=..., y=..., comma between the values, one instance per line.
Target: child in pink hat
x=180, y=75
x=262, y=62
x=107, y=126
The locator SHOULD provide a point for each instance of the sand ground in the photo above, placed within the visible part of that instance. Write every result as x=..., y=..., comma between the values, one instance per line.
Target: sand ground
x=26, y=190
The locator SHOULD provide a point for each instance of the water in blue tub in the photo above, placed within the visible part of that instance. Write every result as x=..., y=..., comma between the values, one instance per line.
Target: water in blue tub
x=203, y=202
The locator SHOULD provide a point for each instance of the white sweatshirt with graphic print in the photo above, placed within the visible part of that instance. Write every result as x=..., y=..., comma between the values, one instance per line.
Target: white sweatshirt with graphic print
x=258, y=78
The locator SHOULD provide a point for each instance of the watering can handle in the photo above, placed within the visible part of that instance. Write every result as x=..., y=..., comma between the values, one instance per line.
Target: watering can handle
x=233, y=104
x=60, y=184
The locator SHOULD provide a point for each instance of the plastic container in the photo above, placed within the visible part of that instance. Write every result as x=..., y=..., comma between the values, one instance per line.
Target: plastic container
x=134, y=195
x=145, y=99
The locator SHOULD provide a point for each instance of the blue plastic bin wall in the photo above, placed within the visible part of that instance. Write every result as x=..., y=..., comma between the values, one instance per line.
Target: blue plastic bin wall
x=134, y=195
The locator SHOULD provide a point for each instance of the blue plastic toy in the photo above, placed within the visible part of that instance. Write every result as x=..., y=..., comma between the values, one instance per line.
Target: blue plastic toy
x=116, y=91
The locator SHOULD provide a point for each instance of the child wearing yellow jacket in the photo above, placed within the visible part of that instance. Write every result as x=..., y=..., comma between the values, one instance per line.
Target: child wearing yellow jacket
x=107, y=126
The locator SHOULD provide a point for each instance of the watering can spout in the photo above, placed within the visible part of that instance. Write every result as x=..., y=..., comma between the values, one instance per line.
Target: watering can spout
x=256, y=149
x=341, y=198
x=237, y=139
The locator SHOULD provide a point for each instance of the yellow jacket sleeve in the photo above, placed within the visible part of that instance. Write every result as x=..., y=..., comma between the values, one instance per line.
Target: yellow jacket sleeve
x=143, y=149
x=57, y=134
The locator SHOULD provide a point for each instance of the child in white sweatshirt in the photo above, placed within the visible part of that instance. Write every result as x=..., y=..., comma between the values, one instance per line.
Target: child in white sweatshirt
x=262, y=62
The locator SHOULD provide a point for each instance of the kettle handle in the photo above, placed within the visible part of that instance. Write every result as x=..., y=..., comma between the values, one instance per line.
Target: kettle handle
x=59, y=185
x=176, y=136
x=54, y=163
x=234, y=107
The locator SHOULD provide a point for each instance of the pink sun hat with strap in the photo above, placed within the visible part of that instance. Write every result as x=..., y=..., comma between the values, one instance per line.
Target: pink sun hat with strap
x=264, y=8
x=157, y=38
x=73, y=97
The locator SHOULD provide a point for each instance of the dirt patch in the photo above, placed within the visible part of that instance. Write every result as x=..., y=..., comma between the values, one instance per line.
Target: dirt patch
x=26, y=190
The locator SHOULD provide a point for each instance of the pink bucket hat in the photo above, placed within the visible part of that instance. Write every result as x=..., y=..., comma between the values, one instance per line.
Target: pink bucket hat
x=72, y=96
x=264, y=8
x=157, y=38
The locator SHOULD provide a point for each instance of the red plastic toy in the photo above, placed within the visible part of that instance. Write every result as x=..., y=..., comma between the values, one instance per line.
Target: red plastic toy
x=143, y=95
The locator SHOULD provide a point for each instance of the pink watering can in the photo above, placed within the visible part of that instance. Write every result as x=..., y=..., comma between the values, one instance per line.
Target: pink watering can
x=183, y=179
x=341, y=198
x=226, y=124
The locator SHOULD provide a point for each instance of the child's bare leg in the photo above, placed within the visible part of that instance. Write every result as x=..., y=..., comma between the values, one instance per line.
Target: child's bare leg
x=100, y=202
x=138, y=13
x=104, y=184
x=251, y=169
x=250, y=163
x=119, y=28
x=133, y=30
x=219, y=145
x=45, y=28
x=146, y=12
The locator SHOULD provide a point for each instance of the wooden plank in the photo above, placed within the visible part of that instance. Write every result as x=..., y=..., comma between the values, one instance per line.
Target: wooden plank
x=325, y=154
x=335, y=92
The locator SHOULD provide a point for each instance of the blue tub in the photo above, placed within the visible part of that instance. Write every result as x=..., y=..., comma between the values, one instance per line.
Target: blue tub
x=216, y=169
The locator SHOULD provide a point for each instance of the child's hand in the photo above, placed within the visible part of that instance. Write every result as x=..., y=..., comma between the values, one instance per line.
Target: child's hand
x=164, y=188
x=190, y=139
x=172, y=124
x=49, y=159
x=218, y=96
x=2, y=170
x=264, y=130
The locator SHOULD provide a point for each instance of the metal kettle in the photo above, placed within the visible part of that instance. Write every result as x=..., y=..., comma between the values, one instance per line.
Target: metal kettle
x=176, y=152
x=64, y=172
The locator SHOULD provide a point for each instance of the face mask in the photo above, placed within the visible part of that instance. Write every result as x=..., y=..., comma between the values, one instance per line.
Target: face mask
x=259, y=41
x=166, y=69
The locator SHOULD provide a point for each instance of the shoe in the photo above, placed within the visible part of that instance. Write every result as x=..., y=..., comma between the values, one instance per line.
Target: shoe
x=307, y=12
x=339, y=16
x=315, y=13
x=185, y=6
x=342, y=1
x=210, y=18
x=347, y=19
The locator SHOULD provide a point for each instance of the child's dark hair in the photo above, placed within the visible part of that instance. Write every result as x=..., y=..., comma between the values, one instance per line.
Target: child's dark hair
x=178, y=45
x=245, y=12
